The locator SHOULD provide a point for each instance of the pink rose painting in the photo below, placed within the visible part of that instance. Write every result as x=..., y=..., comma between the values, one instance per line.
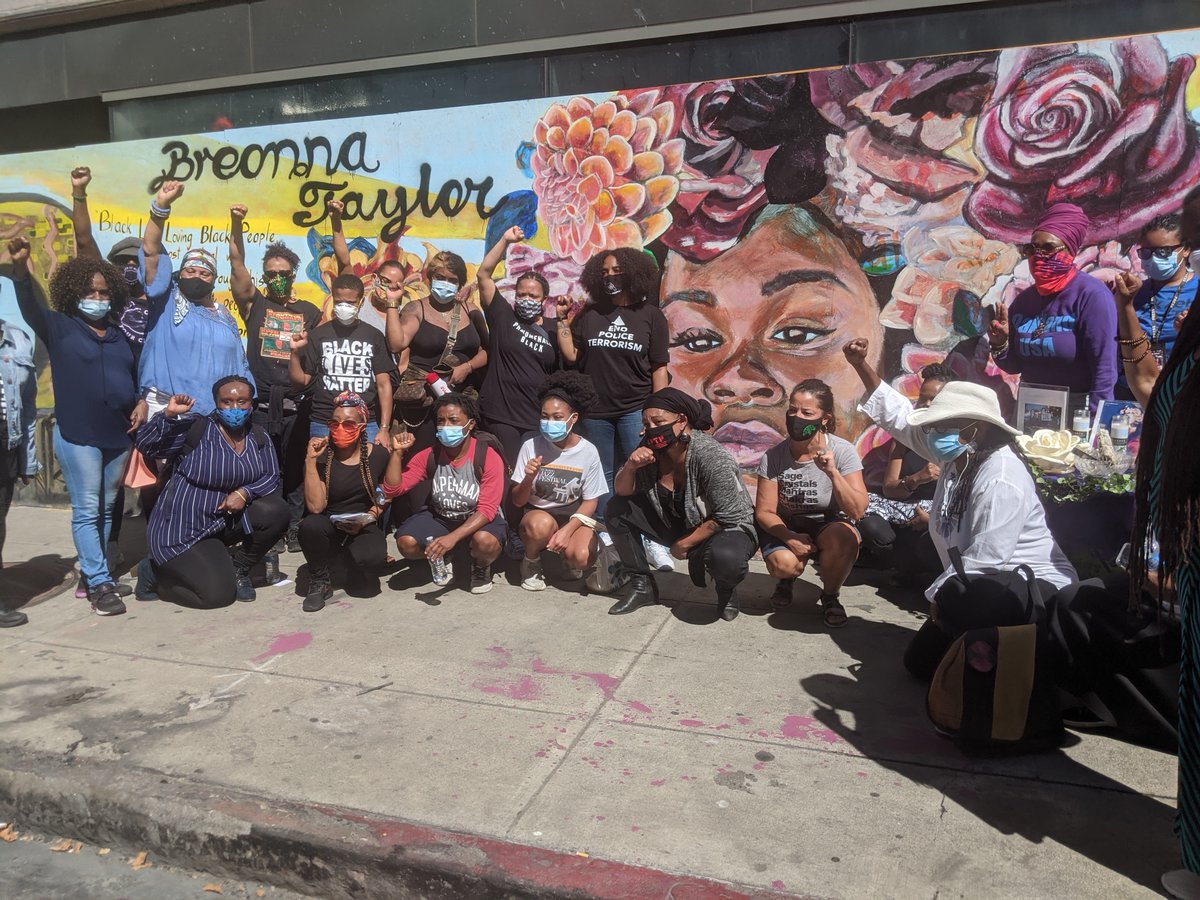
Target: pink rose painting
x=1104, y=125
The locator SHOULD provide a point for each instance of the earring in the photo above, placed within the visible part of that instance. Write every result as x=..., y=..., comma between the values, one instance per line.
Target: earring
x=685, y=438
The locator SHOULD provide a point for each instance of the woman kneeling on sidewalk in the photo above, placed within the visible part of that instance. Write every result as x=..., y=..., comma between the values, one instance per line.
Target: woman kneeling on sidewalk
x=462, y=483
x=340, y=477
x=683, y=489
x=222, y=490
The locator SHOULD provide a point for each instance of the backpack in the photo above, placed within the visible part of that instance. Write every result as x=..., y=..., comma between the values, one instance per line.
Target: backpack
x=483, y=440
x=994, y=691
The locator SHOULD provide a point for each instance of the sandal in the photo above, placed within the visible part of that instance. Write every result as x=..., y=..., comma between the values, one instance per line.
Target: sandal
x=833, y=612
x=782, y=598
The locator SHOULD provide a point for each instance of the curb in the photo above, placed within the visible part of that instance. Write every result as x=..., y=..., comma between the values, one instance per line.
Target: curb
x=313, y=849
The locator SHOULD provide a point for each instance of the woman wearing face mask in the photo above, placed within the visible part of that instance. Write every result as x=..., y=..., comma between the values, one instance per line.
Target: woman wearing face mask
x=191, y=340
x=985, y=505
x=222, y=490
x=895, y=530
x=681, y=489
x=1062, y=330
x=460, y=487
x=1161, y=302
x=520, y=352
x=340, y=477
x=440, y=333
x=96, y=402
x=620, y=340
x=344, y=355
x=810, y=491
x=557, y=481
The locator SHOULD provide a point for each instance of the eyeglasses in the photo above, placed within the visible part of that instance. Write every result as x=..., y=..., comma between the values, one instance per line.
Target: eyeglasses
x=286, y=273
x=1032, y=249
x=1160, y=252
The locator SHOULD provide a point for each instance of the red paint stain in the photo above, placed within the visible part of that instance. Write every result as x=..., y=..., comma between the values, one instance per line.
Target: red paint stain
x=638, y=707
x=758, y=766
x=778, y=885
x=608, y=684
x=286, y=643
x=599, y=818
x=691, y=723
x=801, y=728
x=658, y=782
x=525, y=688
x=743, y=720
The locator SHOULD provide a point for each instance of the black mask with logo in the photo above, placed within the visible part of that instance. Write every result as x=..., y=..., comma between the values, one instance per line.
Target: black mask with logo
x=660, y=438
x=802, y=429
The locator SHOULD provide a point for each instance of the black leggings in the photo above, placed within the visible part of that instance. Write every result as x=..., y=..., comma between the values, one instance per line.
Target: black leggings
x=6, y=496
x=204, y=575
x=322, y=542
x=910, y=551
x=970, y=610
x=725, y=555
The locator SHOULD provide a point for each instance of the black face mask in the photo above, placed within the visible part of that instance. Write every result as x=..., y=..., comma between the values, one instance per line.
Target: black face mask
x=801, y=429
x=195, y=289
x=661, y=437
x=614, y=284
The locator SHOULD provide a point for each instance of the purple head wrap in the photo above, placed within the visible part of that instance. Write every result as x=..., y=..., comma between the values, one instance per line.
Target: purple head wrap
x=1067, y=222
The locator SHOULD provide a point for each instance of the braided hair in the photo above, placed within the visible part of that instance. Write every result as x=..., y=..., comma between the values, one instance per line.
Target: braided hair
x=351, y=400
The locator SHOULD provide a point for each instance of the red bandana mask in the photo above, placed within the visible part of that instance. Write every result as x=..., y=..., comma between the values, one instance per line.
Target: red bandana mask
x=1052, y=273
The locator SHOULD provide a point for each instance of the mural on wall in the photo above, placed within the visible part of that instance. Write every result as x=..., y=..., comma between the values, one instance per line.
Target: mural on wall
x=789, y=213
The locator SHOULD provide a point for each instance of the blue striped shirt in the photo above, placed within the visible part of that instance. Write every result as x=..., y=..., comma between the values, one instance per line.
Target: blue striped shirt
x=186, y=513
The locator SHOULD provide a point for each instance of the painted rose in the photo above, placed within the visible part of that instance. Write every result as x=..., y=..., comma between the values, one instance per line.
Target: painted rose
x=907, y=127
x=605, y=173
x=1103, y=125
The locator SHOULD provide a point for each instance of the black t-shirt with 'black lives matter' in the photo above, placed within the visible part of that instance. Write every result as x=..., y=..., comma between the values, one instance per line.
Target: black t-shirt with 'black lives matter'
x=619, y=346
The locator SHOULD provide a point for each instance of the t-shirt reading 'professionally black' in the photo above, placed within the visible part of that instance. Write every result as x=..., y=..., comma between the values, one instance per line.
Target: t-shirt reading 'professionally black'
x=269, y=331
x=619, y=346
x=344, y=358
x=347, y=493
x=520, y=356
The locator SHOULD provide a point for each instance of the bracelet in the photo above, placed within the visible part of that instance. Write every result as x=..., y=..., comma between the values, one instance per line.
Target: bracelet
x=1137, y=359
x=245, y=494
x=1133, y=342
x=159, y=211
x=1000, y=349
x=77, y=197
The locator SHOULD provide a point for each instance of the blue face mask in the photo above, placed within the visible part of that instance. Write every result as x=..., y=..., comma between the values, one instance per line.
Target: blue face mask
x=443, y=290
x=946, y=447
x=451, y=435
x=93, y=309
x=234, y=417
x=1161, y=269
x=554, y=430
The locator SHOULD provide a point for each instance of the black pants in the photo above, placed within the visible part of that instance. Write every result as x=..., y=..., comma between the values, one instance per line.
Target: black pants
x=6, y=496
x=290, y=438
x=909, y=551
x=511, y=438
x=969, y=611
x=322, y=542
x=204, y=575
x=725, y=555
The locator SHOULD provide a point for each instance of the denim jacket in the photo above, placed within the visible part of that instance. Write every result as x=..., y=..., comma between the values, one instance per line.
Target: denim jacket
x=20, y=394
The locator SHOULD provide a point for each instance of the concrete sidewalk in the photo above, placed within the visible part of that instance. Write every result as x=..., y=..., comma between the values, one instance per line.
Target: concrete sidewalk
x=521, y=743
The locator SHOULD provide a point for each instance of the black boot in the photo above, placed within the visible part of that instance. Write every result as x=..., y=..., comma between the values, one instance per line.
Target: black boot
x=727, y=603
x=641, y=589
x=319, y=589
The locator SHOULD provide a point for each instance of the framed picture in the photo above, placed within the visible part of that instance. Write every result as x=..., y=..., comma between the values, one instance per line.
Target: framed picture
x=1109, y=410
x=1042, y=406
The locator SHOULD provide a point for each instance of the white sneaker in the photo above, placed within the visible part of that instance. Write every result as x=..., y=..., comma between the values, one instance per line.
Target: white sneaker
x=532, y=577
x=481, y=579
x=659, y=556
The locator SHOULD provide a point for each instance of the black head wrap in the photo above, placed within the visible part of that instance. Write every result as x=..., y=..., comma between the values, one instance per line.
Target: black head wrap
x=698, y=412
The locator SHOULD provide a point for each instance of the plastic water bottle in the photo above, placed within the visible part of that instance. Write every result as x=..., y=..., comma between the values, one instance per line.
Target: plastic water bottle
x=271, y=568
x=437, y=384
x=441, y=572
x=1119, y=434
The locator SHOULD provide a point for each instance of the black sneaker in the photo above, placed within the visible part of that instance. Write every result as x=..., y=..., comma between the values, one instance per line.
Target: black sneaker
x=105, y=600
x=11, y=618
x=319, y=591
x=245, y=587
x=293, y=540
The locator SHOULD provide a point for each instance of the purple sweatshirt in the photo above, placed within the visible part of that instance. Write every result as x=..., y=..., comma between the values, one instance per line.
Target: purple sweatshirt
x=1077, y=344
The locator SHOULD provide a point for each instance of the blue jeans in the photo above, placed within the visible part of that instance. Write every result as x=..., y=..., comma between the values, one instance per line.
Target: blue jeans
x=321, y=429
x=615, y=439
x=93, y=476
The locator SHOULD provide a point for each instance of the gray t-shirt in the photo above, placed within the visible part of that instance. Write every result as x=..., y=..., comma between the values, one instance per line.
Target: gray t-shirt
x=804, y=490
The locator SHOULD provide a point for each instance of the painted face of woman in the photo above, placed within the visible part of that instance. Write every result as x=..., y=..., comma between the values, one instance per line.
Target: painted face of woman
x=762, y=317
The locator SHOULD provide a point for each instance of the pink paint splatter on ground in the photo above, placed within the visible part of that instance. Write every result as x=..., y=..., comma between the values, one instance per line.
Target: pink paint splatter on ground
x=743, y=720
x=599, y=818
x=500, y=659
x=691, y=723
x=778, y=885
x=525, y=688
x=801, y=728
x=638, y=707
x=634, y=828
x=658, y=782
x=758, y=766
x=608, y=684
x=285, y=643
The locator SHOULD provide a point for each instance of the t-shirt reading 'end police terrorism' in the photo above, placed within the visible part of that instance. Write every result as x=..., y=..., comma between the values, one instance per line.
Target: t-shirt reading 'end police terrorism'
x=566, y=478
x=344, y=358
x=619, y=346
x=269, y=330
x=804, y=490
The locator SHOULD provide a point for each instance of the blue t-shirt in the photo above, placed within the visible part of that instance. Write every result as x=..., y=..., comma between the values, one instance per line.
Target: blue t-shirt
x=1159, y=305
x=188, y=347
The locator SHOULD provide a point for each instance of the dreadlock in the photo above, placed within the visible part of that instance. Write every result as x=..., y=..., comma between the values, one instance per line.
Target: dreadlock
x=962, y=488
x=364, y=466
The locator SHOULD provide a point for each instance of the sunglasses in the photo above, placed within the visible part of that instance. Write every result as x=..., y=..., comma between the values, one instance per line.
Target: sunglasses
x=1032, y=249
x=268, y=276
x=1145, y=253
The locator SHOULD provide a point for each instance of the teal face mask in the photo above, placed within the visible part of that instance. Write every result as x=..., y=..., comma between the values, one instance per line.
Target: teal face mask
x=554, y=430
x=93, y=309
x=945, y=446
x=451, y=435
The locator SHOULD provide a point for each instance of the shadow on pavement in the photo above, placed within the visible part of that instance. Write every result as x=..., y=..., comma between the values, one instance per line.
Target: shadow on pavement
x=32, y=581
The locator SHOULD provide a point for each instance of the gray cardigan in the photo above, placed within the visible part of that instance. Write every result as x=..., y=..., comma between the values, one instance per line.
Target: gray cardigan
x=714, y=487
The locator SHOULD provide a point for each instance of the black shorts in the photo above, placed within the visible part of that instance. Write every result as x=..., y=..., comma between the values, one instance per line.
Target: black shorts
x=809, y=525
x=424, y=526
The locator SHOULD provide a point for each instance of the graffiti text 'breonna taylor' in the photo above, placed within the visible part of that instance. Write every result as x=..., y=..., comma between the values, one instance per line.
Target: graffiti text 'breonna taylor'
x=226, y=163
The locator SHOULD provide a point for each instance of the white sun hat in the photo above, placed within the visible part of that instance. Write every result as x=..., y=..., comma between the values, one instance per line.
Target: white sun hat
x=962, y=400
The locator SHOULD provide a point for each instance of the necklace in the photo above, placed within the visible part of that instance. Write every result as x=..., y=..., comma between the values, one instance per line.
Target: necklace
x=1156, y=328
